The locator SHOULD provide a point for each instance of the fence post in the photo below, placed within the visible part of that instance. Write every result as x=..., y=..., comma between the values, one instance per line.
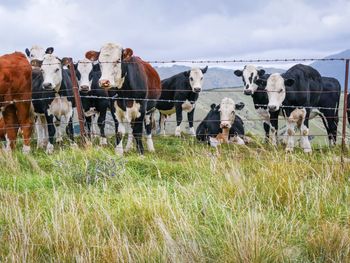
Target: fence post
x=77, y=99
x=343, y=141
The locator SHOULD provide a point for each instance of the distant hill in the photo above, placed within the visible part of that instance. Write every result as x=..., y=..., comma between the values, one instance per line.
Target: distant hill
x=214, y=78
x=334, y=69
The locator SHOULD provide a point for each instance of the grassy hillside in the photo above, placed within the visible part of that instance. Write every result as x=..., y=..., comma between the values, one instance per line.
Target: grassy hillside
x=184, y=203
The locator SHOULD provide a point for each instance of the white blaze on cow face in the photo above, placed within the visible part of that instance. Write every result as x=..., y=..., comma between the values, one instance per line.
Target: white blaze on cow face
x=250, y=75
x=85, y=68
x=276, y=91
x=52, y=72
x=196, y=79
x=110, y=63
x=37, y=53
x=227, y=113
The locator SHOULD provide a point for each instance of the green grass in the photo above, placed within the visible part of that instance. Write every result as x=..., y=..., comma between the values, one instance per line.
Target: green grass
x=185, y=203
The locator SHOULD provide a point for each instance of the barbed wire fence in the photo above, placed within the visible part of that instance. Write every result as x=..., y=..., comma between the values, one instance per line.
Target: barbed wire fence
x=81, y=118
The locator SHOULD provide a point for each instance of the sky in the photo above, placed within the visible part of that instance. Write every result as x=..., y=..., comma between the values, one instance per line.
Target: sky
x=179, y=29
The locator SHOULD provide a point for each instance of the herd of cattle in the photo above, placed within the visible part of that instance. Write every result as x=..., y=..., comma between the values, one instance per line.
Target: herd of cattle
x=38, y=89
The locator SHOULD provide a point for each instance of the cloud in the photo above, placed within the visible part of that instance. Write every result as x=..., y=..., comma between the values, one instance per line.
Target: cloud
x=159, y=30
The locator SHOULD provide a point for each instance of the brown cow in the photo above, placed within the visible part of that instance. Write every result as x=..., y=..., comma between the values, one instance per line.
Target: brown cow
x=15, y=97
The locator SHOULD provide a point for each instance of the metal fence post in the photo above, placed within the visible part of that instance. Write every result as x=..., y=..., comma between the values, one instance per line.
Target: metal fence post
x=77, y=99
x=343, y=141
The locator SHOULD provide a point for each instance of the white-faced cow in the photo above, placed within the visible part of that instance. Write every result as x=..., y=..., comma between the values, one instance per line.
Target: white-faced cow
x=183, y=89
x=222, y=121
x=53, y=100
x=250, y=74
x=36, y=55
x=93, y=97
x=295, y=93
x=135, y=86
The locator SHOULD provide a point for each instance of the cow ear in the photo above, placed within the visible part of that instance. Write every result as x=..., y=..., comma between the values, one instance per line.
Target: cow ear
x=239, y=106
x=238, y=73
x=65, y=61
x=49, y=50
x=204, y=70
x=213, y=106
x=261, y=72
x=96, y=67
x=92, y=55
x=27, y=52
x=187, y=73
x=261, y=82
x=127, y=53
x=288, y=82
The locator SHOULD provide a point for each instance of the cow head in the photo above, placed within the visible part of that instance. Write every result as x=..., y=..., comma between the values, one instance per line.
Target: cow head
x=228, y=112
x=84, y=71
x=51, y=69
x=110, y=58
x=36, y=54
x=275, y=89
x=195, y=76
x=250, y=74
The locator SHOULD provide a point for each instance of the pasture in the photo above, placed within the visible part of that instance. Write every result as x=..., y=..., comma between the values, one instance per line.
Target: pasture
x=184, y=203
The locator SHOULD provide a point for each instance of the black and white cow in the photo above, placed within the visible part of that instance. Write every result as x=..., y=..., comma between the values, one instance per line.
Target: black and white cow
x=295, y=92
x=184, y=88
x=219, y=118
x=250, y=74
x=52, y=100
x=93, y=97
x=133, y=83
x=36, y=55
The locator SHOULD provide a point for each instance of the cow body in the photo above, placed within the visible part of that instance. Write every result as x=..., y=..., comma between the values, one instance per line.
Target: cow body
x=52, y=100
x=295, y=92
x=134, y=86
x=223, y=123
x=15, y=96
x=182, y=91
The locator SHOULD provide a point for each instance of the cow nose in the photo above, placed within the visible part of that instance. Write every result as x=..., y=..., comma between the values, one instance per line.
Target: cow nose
x=272, y=107
x=225, y=125
x=84, y=88
x=104, y=83
x=197, y=90
x=47, y=85
x=247, y=92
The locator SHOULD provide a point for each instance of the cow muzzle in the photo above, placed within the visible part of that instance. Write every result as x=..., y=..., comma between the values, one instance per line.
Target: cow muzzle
x=84, y=88
x=225, y=124
x=272, y=108
x=248, y=92
x=104, y=83
x=197, y=90
x=47, y=86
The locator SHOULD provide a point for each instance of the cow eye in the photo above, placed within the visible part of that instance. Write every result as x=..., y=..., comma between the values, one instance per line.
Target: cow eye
x=56, y=70
x=280, y=90
x=191, y=79
x=201, y=78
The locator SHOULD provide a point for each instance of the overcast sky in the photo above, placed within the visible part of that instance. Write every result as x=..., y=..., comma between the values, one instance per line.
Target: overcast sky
x=179, y=29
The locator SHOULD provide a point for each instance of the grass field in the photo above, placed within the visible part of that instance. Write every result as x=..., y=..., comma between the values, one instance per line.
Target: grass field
x=185, y=203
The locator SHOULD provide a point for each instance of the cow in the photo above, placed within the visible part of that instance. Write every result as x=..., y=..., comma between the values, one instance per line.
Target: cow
x=250, y=74
x=15, y=98
x=222, y=121
x=134, y=86
x=52, y=100
x=180, y=93
x=295, y=93
x=36, y=55
x=93, y=97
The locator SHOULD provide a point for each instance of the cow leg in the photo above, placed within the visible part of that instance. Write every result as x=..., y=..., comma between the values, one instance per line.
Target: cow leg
x=304, y=130
x=267, y=132
x=51, y=130
x=119, y=128
x=162, y=119
x=45, y=132
x=88, y=120
x=57, y=123
x=178, y=120
x=101, y=122
x=26, y=123
x=129, y=143
x=137, y=130
x=274, y=127
x=70, y=129
x=39, y=132
x=190, y=122
x=290, y=135
x=330, y=122
x=148, y=126
x=11, y=125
